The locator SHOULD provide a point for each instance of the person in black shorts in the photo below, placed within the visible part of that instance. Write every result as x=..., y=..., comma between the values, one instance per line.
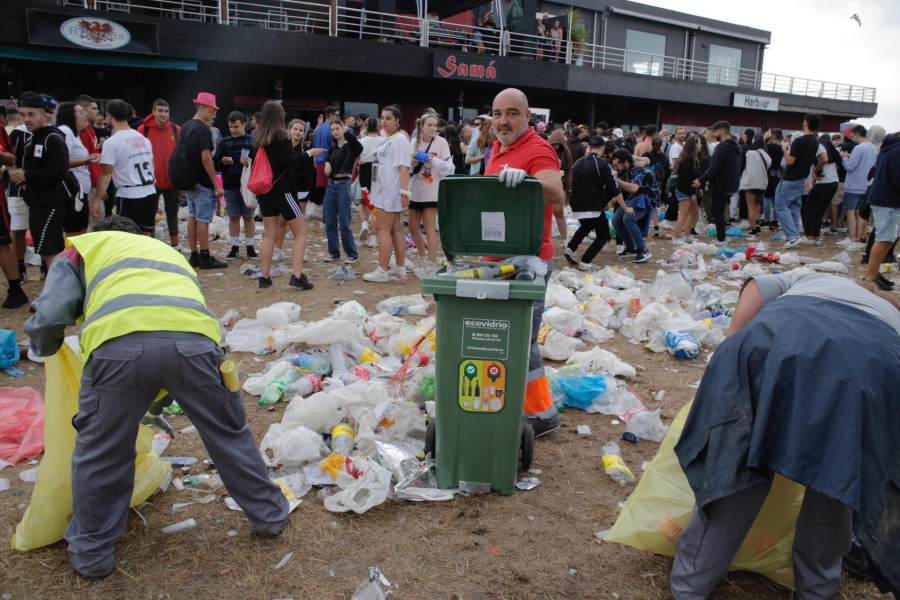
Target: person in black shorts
x=44, y=165
x=128, y=161
x=281, y=199
x=15, y=297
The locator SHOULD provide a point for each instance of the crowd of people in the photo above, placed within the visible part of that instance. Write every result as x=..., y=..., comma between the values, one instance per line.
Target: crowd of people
x=66, y=163
x=66, y=171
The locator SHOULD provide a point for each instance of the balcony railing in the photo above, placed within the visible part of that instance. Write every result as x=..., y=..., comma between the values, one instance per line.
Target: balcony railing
x=321, y=18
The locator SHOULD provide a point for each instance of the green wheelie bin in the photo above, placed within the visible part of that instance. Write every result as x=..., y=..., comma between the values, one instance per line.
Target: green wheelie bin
x=482, y=335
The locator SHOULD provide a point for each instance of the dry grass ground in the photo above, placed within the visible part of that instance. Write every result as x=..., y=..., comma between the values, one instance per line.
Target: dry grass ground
x=536, y=544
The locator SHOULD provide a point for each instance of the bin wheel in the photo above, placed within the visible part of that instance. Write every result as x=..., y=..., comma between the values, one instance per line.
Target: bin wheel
x=526, y=451
x=429, y=437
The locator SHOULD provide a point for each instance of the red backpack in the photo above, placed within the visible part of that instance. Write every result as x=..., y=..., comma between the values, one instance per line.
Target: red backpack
x=261, y=182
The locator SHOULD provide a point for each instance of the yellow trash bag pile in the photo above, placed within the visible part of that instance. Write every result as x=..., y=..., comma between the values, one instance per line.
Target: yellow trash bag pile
x=50, y=510
x=662, y=502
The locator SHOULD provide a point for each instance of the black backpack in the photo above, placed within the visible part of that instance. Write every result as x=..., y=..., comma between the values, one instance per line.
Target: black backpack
x=181, y=172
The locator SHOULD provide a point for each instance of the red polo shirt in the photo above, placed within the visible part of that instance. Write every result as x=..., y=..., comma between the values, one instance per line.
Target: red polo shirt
x=89, y=138
x=533, y=154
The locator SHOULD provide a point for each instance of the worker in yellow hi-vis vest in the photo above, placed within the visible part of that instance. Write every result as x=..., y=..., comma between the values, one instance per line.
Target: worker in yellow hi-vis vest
x=144, y=327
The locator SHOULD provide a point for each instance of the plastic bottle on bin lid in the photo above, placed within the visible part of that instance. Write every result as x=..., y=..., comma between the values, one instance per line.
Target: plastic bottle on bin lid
x=313, y=364
x=342, y=439
x=614, y=465
x=275, y=390
x=487, y=272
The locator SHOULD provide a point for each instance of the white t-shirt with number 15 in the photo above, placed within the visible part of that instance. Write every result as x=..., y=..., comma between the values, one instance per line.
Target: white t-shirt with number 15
x=131, y=156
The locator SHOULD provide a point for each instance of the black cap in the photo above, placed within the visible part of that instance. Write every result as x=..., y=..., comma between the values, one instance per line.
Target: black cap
x=596, y=142
x=32, y=100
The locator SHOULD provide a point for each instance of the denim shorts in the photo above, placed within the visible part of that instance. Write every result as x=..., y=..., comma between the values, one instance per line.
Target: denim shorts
x=234, y=205
x=201, y=203
x=887, y=223
x=851, y=201
x=681, y=196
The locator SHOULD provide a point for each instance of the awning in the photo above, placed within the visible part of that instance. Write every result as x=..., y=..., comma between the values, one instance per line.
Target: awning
x=95, y=58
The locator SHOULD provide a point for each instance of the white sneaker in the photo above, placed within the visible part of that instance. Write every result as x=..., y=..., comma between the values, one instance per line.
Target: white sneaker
x=582, y=266
x=277, y=254
x=688, y=239
x=570, y=256
x=371, y=241
x=677, y=242
x=793, y=242
x=399, y=272
x=379, y=275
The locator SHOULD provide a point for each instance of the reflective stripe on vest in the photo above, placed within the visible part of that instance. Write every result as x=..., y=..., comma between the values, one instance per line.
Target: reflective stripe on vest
x=136, y=283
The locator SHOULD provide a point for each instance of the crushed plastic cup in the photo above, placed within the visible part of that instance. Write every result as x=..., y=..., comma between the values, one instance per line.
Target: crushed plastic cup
x=180, y=526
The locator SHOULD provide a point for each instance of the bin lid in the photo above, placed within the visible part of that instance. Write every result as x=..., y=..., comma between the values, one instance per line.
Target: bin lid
x=480, y=216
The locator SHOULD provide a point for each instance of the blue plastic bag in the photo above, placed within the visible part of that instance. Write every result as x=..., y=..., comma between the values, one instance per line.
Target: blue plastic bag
x=681, y=344
x=581, y=391
x=9, y=352
x=735, y=232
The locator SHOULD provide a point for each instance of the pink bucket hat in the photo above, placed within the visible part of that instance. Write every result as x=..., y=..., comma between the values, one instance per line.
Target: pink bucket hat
x=541, y=126
x=206, y=99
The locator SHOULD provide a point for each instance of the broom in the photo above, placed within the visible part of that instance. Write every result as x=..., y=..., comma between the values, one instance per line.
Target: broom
x=395, y=385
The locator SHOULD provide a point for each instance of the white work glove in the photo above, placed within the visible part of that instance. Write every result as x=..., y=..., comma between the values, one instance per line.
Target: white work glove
x=512, y=177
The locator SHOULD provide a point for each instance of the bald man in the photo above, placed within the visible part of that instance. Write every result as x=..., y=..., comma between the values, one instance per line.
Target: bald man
x=519, y=152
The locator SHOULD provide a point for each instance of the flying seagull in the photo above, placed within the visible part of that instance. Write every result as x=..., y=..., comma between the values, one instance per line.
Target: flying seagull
x=856, y=18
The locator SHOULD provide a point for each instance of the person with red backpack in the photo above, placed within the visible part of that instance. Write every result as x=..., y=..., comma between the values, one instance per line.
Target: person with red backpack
x=163, y=135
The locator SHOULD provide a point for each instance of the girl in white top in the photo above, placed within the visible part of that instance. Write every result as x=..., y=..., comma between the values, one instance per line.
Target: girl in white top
x=390, y=195
x=755, y=180
x=370, y=143
x=425, y=179
x=71, y=120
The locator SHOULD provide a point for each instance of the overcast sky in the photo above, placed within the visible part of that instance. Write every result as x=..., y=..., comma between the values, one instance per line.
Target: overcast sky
x=817, y=39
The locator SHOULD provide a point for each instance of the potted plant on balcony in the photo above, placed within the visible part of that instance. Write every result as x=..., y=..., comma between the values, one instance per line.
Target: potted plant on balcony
x=577, y=35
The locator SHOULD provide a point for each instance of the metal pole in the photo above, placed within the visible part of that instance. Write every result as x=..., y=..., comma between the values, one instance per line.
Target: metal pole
x=425, y=24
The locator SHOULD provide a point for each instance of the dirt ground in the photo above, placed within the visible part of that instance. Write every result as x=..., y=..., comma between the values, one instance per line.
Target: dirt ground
x=536, y=544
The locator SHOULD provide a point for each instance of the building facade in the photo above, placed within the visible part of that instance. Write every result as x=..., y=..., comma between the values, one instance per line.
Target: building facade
x=622, y=62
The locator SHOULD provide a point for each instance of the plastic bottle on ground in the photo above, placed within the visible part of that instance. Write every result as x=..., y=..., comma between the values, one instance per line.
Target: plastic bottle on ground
x=342, y=439
x=275, y=390
x=304, y=386
x=614, y=465
x=311, y=363
x=360, y=353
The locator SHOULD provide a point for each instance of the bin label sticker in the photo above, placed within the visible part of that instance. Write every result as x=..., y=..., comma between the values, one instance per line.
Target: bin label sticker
x=485, y=338
x=482, y=386
x=493, y=227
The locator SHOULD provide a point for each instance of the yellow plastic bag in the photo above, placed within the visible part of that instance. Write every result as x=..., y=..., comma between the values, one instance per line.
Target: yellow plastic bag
x=50, y=510
x=662, y=502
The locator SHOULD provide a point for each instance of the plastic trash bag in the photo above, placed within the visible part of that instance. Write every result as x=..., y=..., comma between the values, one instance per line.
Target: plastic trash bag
x=681, y=344
x=559, y=296
x=9, y=350
x=367, y=486
x=279, y=314
x=581, y=391
x=351, y=311
x=413, y=304
x=830, y=267
x=662, y=502
x=598, y=360
x=248, y=197
x=564, y=321
x=248, y=335
x=556, y=346
x=21, y=424
x=47, y=516
x=645, y=424
x=292, y=445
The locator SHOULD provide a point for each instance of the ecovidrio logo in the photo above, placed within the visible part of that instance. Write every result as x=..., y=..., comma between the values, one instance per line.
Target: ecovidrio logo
x=95, y=33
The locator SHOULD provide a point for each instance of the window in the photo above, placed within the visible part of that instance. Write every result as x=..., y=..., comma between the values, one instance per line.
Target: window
x=725, y=64
x=644, y=52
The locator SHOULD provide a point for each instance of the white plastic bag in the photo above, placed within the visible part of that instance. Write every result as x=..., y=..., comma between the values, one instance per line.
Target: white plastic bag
x=320, y=412
x=292, y=445
x=564, y=321
x=556, y=346
x=359, y=495
x=248, y=196
x=559, y=296
x=279, y=314
x=248, y=335
x=600, y=360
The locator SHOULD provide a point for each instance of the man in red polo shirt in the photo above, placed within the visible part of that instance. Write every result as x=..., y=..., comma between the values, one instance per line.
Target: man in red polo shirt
x=519, y=152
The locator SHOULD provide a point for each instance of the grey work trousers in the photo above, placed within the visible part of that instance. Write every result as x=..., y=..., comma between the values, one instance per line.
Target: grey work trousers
x=118, y=384
x=704, y=551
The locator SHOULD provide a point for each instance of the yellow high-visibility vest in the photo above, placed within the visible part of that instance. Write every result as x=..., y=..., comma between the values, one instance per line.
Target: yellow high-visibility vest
x=136, y=283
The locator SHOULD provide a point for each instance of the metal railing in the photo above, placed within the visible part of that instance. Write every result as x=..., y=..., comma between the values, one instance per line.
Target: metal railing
x=318, y=18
